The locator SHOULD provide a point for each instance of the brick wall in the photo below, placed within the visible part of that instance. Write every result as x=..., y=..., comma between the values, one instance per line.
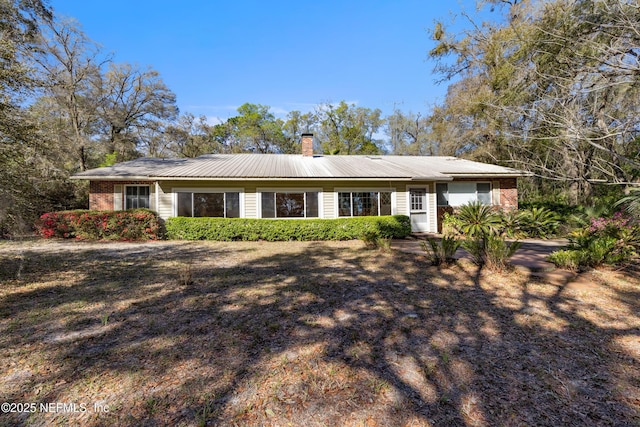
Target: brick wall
x=508, y=193
x=101, y=193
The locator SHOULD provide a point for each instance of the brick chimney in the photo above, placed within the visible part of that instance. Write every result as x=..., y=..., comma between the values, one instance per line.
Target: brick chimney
x=307, y=144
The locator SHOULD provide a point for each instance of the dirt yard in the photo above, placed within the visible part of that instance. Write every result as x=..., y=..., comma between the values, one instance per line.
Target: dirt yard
x=314, y=334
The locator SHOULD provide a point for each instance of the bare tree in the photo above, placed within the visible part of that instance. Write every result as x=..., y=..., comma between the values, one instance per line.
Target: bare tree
x=554, y=91
x=129, y=100
x=69, y=65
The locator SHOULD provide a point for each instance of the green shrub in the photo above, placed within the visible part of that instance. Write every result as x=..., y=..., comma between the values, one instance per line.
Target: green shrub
x=569, y=259
x=443, y=251
x=538, y=222
x=476, y=248
x=228, y=229
x=493, y=251
x=612, y=241
x=498, y=251
x=372, y=240
x=135, y=224
x=512, y=223
x=451, y=224
x=477, y=220
x=484, y=229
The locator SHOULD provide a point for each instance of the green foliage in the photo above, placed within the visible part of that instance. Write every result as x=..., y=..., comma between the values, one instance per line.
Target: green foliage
x=512, y=223
x=537, y=222
x=484, y=230
x=611, y=241
x=569, y=259
x=229, y=229
x=135, y=224
x=476, y=248
x=493, y=251
x=631, y=203
x=348, y=129
x=544, y=88
x=498, y=251
x=443, y=251
x=568, y=217
x=477, y=220
x=451, y=224
x=109, y=159
x=373, y=240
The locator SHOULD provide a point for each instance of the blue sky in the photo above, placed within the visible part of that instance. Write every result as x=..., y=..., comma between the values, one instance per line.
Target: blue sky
x=289, y=55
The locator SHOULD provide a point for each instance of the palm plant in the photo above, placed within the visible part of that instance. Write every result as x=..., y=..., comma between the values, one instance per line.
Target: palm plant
x=484, y=229
x=441, y=252
x=540, y=222
x=477, y=220
x=631, y=202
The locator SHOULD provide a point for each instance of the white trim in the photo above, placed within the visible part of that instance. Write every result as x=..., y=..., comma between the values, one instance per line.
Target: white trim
x=117, y=197
x=261, y=190
x=157, y=197
x=176, y=190
x=336, y=190
x=495, y=193
x=491, y=201
x=428, y=209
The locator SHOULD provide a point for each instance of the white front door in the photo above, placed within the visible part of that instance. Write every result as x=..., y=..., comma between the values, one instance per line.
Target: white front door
x=418, y=209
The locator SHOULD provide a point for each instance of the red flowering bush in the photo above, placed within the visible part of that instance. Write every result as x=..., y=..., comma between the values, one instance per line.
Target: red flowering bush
x=137, y=224
x=55, y=224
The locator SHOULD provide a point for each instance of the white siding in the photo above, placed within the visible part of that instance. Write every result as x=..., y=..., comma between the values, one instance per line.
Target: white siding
x=117, y=197
x=165, y=202
x=433, y=207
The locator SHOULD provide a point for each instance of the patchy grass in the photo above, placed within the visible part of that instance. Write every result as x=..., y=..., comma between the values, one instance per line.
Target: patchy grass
x=189, y=333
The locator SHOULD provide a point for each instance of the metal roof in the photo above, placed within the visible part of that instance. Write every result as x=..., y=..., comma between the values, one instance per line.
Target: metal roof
x=296, y=166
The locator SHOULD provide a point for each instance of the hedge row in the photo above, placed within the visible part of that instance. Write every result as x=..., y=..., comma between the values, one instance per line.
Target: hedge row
x=228, y=229
x=135, y=224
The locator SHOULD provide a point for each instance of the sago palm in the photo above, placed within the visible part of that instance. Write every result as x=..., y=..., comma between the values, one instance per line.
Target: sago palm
x=477, y=220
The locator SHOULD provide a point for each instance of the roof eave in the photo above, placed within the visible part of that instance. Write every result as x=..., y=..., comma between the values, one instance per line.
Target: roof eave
x=282, y=178
x=432, y=178
x=112, y=177
x=490, y=175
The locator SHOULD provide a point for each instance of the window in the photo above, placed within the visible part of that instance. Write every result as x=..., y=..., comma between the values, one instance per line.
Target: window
x=290, y=204
x=364, y=203
x=136, y=196
x=483, y=190
x=221, y=204
x=418, y=199
x=461, y=193
x=442, y=194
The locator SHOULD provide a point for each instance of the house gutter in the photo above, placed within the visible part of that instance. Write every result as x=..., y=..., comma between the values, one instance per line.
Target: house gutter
x=112, y=178
x=490, y=175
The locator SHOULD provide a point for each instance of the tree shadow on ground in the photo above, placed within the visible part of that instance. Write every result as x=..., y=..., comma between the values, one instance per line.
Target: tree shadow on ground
x=313, y=334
